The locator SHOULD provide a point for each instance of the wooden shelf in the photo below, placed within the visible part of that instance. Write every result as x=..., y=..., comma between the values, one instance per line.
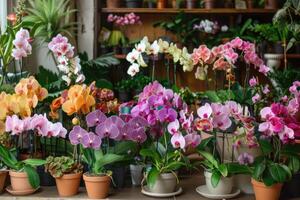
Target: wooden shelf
x=293, y=56
x=192, y=11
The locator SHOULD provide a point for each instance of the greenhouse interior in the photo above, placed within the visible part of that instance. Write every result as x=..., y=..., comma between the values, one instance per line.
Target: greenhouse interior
x=149, y=99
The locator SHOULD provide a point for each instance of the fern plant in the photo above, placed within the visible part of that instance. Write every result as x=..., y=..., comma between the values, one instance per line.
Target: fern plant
x=47, y=18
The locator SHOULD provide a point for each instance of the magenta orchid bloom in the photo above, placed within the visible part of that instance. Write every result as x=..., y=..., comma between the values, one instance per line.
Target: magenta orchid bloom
x=91, y=140
x=173, y=127
x=192, y=140
x=167, y=115
x=139, y=135
x=107, y=129
x=245, y=159
x=95, y=118
x=14, y=125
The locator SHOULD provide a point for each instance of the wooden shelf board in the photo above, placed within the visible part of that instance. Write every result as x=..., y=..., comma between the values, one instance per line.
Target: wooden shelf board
x=293, y=56
x=193, y=11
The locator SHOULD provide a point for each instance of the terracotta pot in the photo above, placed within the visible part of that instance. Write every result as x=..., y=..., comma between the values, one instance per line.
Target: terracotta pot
x=175, y=4
x=165, y=183
x=209, y=4
x=190, y=4
x=19, y=181
x=161, y=4
x=262, y=192
x=72, y=181
x=224, y=186
x=3, y=175
x=113, y=3
x=250, y=4
x=97, y=186
x=271, y=4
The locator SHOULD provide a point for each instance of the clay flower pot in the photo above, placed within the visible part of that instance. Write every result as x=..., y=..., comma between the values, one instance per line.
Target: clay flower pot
x=263, y=192
x=19, y=181
x=3, y=175
x=250, y=4
x=97, y=186
x=165, y=183
x=209, y=4
x=161, y=4
x=113, y=3
x=72, y=181
x=190, y=4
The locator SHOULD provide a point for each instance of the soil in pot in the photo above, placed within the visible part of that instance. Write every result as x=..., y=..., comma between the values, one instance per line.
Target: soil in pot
x=113, y=3
x=45, y=177
x=134, y=3
x=3, y=175
x=190, y=4
x=224, y=186
x=19, y=181
x=262, y=192
x=97, y=186
x=72, y=181
x=165, y=183
x=209, y=4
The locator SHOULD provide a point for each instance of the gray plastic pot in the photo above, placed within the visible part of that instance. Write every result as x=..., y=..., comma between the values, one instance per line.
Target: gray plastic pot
x=165, y=183
x=134, y=3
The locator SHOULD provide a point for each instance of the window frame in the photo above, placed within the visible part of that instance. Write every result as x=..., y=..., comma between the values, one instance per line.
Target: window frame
x=3, y=15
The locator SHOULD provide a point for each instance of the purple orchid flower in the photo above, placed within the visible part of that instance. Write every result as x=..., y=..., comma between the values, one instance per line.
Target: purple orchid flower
x=107, y=129
x=167, y=115
x=245, y=159
x=173, y=127
x=91, y=140
x=178, y=141
x=139, y=135
x=76, y=135
x=95, y=118
x=138, y=122
x=192, y=140
x=125, y=133
x=156, y=131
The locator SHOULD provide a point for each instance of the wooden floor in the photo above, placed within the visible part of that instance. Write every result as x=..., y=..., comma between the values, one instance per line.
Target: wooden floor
x=188, y=184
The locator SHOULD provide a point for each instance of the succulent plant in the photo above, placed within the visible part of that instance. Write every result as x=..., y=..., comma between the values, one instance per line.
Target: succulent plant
x=58, y=166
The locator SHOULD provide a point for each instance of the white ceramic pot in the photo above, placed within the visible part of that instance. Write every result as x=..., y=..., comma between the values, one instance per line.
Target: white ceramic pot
x=224, y=187
x=165, y=183
x=136, y=174
x=273, y=60
x=243, y=182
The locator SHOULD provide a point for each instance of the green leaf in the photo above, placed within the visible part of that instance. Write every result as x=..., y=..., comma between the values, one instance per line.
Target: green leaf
x=215, y=178
x=33, y=176
x=223, y=170
x=150, y=153
x=152, y=176
x=34, y=162
x=259, y=170
x=210, y=158
x=294, y=164
x=108, y=159
x=265, y=146
x=287, y=171
x=277, y=173
x=175, y=165
x=234, y=168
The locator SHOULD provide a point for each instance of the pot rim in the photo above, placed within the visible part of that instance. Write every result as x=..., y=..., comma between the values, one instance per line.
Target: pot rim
x=103, y=178
x=21, y=174
x=261, y=184
x=70, y=176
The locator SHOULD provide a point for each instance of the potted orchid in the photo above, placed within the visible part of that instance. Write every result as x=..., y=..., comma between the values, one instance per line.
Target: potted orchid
x=97, y=142
x=170, y=132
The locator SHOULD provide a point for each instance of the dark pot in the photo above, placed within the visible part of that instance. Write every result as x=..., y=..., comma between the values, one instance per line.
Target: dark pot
x=134, y=3
x=228, y=4
x=262, y=47
x=190, y=4
x=297, y=48
x=124, y=96
x=278, y=48
x=45, y=177
x=151, y=4
x=291, y=189
x=117, y=50
x=105, y=50
x=126, y=50
x=119, y=176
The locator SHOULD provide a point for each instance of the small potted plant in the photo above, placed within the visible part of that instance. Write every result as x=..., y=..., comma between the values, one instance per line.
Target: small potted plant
x=190, y=4
x=23, y=175
x=113, y=3
x=161, y=4
x=164, y=152
x=66, y=171
x=95, y=150
x=209, y=4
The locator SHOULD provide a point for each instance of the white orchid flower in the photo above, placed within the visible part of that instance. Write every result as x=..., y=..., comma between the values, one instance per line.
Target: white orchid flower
x=63, y=68
x=66, y=79
x=80, y=78
x=154, y=48
x=133, y=56
x=163, y=46
x=133, y=69
x=201, y=72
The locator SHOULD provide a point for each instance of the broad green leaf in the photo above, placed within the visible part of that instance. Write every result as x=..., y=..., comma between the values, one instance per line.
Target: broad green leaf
x=294, y=164
x=34, y=162
x=108, y=159
x=173, y=166
x=277, y=173
x=259, y=170
x=210, y=158
x=33, y=176
x=265, y=146
x=150, y=153
x=152, y=176
x=215, y=178
x=223, y=170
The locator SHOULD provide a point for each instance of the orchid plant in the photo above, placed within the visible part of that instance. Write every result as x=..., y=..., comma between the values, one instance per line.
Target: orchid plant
x=99, y=136
x=170, y=130
x=63, y=55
